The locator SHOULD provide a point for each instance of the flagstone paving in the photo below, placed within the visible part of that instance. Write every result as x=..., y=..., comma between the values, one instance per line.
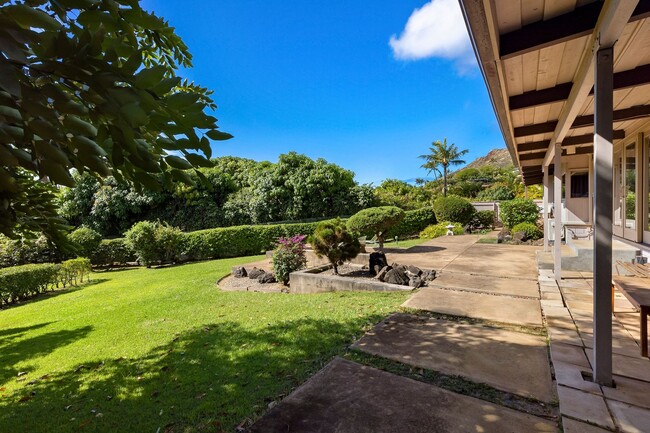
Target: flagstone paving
x=460, y=349
x=489, y=284
x=346, y=397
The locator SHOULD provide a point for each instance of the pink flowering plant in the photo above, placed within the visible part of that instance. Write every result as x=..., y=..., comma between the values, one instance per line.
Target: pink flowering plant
x=289, y=256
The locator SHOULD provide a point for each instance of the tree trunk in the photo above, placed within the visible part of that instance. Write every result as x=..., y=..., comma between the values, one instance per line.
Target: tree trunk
x=336, y=269
x=444, y=181
x=380, y=239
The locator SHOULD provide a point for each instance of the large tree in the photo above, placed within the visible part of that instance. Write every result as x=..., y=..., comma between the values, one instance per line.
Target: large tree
x=443, y=155
x=91, y=85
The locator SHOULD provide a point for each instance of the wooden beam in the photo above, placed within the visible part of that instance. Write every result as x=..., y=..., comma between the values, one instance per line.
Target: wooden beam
x=531, y=156
x=622, y=115
x=619, y=134
x=572, y=25
x=622, y=80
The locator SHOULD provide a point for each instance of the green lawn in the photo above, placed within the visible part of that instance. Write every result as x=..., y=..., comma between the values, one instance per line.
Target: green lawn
x=408, y=243
x=146, y=350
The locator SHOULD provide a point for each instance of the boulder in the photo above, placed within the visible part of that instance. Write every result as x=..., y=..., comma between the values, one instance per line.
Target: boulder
x=239, y=272
x=266, y=278
x=428, y=275
x=413, y=270
x=520, y=237
x=254, y=273
x=382, y=274
x=377, y=263
x=396, y=276
x=416, y=282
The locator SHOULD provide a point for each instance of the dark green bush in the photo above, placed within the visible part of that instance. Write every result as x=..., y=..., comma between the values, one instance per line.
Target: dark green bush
x=376, y=221
x=413, y=223
x=496, y=193
x=453, y=208
x=155, y=242
x=85, y=241
x=440, y=229
x=519, y=210
x=15, y=252
x=332, y=240
x=112, y=252
x=482, y=220
x=529, y=229
x=20, y=282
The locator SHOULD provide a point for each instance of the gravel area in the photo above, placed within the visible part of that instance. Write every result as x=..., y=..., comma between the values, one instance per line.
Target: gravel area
x=246, y=284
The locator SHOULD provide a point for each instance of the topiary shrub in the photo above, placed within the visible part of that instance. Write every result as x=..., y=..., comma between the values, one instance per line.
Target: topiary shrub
x=530, y=230
x=376, y=221
x=453, y=208
x=85, y=241
x=440, y=229
x=482, y=220
x=112, y=252
x=413, y=223
x=519, y=210
x=154, y=242
x=289, y=256
x=169, y=241
x=332, y=240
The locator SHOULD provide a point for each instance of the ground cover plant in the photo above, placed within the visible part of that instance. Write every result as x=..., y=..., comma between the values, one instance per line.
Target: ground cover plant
x=145, y=350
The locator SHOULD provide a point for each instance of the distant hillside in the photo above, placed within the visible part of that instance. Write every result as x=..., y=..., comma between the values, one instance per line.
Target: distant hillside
x=495, y=158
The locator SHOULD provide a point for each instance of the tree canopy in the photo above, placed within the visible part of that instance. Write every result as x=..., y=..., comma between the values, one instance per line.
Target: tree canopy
x=91, y=85
x=443, y=155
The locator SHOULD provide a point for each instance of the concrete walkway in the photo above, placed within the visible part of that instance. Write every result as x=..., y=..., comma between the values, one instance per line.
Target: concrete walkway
x=494, y=284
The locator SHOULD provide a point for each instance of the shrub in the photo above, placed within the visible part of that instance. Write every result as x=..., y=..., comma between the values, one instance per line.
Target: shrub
x=440, y=229
x=496, y=193
x=154, y=242
x=453, y=208
x=112, y=252
x=289, y=256
x=376, y=220
x=529, y=229
x=332, y=240
x=519, y=210
x=20, y=282
x=15, y=252
x=85, y=241
x=413, y=223
x=240, y=241
x=73, y=271
x=483, y=219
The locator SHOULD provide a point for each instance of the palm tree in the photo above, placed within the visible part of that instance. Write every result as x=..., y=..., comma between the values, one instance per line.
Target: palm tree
x=442, y=155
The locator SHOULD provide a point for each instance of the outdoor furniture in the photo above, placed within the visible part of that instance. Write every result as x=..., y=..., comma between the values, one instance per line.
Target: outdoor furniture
x=372, y=241
x=573, y=229
x=637, y=291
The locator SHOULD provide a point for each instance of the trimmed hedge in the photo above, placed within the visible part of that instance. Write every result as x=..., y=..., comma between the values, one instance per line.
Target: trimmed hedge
x=440, y=229
x=529, y=229
x=85, y=241
x=112, y=252
x=453, y=208
x=413, y=223
x=240, y=241
x=483, y=219
x=20, y=282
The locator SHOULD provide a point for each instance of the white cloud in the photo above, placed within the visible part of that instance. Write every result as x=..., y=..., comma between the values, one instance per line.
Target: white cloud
x=437, y=29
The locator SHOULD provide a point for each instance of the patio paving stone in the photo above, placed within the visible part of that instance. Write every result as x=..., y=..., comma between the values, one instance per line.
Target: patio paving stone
x=571, y=375
x=495, y=260
x=460, y=349
x=504, y=309
x=631, y=419
x=569, y=354
x=346, y=397
x=584, y=406
x=626, y=366
x=563, y=335
x=573, y=426
x=628, y=390
x=490, y=284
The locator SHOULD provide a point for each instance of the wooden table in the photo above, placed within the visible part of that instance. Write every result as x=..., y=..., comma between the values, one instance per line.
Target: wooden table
x=637, y=291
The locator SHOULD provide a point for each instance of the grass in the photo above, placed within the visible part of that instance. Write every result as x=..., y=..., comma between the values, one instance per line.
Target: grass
x=408, y=243
x=164, y=350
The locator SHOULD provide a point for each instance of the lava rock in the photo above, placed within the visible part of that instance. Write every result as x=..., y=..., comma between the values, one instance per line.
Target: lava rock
x=382, y=274
x=507, y=238
x=255, y=273
x=239, y=272
x=413, y=270
x=396, y=276
x=520, y=237
x=266, y=278
x=428, y=275
x=416, y=282
x=377, y=263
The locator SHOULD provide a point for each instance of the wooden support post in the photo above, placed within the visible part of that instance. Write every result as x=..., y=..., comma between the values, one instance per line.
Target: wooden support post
x=545, y=204
x=557, y=212
x=603, y=196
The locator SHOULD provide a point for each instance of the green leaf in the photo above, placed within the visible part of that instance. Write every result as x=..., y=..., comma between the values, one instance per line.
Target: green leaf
x=28, y=17
x=79, y=126
x=147, y=181
x=87, y=146
x=143, y=19
x=50, y=152
x=215, y=134
x=181, y=100
x=9, y=79
x=134, y=114
x=10, y=113
x=147, y=78
x=198, y=160
x=166, y=85
x=57, y=173
x=177, y=162
x=182, y=176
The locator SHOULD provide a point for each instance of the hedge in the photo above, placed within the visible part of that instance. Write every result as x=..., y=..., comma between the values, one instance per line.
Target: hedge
x=519, y=210
x=440, y=229
x=20, y=282
x=239, y=241
x=413, y=223
x=112, y=252
x=453, y=208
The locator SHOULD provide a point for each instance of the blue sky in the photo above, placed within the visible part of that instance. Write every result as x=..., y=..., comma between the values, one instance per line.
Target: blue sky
x=324, y=78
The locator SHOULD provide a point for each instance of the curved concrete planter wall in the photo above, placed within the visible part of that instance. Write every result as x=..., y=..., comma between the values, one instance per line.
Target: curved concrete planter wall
x=313, y=281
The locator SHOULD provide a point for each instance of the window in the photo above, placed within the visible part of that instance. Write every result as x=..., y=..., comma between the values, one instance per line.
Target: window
x=580, y=185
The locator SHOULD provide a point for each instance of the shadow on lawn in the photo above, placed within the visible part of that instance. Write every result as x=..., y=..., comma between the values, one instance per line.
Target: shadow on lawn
x=12, y=351
x=414, y=249
x=211, y=378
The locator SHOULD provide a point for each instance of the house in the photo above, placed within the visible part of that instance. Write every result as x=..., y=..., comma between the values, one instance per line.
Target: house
x=569, y=81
